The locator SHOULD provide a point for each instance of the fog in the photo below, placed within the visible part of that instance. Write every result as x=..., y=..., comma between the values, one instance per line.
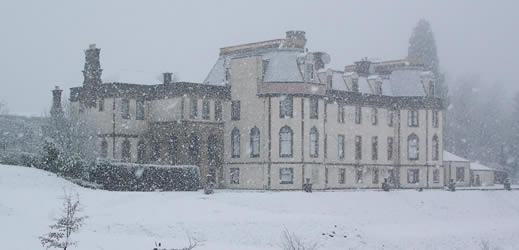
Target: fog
x=43, y=41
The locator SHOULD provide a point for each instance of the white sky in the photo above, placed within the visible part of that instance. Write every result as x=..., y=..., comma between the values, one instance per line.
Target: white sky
x=42, y=42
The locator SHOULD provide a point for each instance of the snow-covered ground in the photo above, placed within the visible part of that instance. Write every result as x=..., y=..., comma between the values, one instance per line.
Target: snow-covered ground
x=232, y=220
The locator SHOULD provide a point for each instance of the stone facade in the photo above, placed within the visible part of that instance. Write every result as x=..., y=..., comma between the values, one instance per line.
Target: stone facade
x=270, y=116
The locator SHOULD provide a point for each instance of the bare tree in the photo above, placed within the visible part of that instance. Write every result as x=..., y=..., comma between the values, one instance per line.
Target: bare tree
x=290, y=241
x=68, y=223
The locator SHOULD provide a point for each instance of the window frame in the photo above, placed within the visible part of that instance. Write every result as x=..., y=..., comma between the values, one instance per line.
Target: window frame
x=410, y=138
x=413, y=175
x=342, y=176
x=340, y=146
x=193, y=108
x=413, y=118
x=374, y=116
x=358, y=147
x=139, y=110
x=435, y=148
x=255, y=142
x=435, y=119
x=206, y=111
x=234, y=176
x=235, y=110
x=141, y=151
x=358, y=115
x=374, y=148
x=340, y=113
x=286, y=106
x=290, y=173
x=290, y=133
x=390, y=146
x=126, y=150
x=235, y=143
x=314, y=143
x=314, y=108
x=125, y=109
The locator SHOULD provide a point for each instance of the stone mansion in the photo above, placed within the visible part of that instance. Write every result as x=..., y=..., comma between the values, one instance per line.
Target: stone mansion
x=271, y=115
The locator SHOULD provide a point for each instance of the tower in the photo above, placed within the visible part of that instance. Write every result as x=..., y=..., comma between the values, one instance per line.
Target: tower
x=91, y=76
x=56, y=109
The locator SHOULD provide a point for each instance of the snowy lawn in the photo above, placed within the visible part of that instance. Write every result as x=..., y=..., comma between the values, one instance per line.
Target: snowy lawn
x=232, y=220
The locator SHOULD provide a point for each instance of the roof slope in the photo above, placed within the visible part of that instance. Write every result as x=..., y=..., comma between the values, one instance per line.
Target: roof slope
x=447, y=156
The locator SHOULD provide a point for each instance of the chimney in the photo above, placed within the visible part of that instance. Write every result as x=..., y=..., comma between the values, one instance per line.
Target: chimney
x=168, y=77
x=295, y=39
x=56, y=109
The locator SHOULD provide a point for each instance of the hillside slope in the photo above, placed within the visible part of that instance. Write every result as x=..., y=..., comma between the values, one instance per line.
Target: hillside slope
x=435, y=219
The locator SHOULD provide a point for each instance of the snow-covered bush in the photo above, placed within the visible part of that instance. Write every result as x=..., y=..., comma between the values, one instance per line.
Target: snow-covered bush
x=118, y=176
x=19, y=159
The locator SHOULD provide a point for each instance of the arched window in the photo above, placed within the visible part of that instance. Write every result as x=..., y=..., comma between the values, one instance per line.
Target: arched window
x=104, y=148
x=141, y=151
x=285, y=141
x=412, y=147
x=125, y=151
x=235, y=143
x=436, y=148
x=314, y=143
x=254, y=142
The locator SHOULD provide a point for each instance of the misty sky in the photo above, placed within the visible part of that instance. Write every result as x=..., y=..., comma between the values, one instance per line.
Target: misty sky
x=42, y=42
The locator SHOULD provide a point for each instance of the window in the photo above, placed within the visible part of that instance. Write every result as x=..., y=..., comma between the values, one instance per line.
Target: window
x=139, y=111
x=431, y=88
x=155, y=154
x=286, y=175
x=436, y=148
x=435, y=121
x=141, y=151
x=329, y=81
x=286, y=104
x=340, y=113
x=358, y=114
x=125, y=109
x=218, y=110
x=194, y=148
x=358, y=147
x=326, y=175
x=101, y=104
x=355, y=85
x=213, y=149
x=309, y=72
x=235, y=141
x=314, y=143
x=254, y=142
x=378, y=90
x=460, y=174
x=375, y=176
x=374, y=116
x=125, y=151
x=265, y=65
x=413, y=176
x=412, y=118
x=436, y=175
x=390, y=115
x=314, y=108
x=285, y=142
x=315, y=176
x=104, y=148
x=412, y=147
x=172, y=149
x=325, y=146
x=235, y=110
x=227, y=74
x=374, y=148
x=342, y=175
x=358, y=174
x=193, y=112
x=391, y=176
x=205, y=109
x=390, y=148
x=235, y=175
x=340, y=146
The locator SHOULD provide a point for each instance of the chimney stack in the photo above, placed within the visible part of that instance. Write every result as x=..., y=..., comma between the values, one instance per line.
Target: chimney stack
x=56, y=109
x=295, y=39
x=168, y=77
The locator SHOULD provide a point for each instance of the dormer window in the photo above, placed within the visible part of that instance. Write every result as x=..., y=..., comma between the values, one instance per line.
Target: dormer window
x=355, y=86
x=431, y=88
x=329, y=81
x=378, y=90
x=309, y=72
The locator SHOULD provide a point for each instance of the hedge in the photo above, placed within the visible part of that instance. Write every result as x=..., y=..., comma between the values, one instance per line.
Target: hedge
x=115, y=176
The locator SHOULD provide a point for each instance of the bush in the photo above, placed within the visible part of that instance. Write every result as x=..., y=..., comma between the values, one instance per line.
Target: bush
x=19, y=159
x=115, y=176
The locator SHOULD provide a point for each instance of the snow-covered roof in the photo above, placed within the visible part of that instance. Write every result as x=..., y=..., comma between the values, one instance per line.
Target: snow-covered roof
x=478, y=166
x=406, y=83
x=217, y=74
x=282, y=66
x=452, y=157
x=338, y=82
x=364, y=86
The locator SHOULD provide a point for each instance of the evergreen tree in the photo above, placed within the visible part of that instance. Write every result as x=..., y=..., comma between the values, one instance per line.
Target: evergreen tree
x=422, y=47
